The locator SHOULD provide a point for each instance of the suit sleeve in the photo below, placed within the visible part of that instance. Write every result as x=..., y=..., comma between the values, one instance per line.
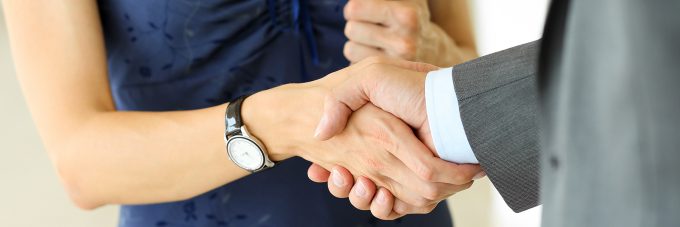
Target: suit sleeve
x=498, y=106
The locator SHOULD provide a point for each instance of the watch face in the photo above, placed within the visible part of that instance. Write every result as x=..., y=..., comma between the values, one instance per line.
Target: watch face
x=245, y=153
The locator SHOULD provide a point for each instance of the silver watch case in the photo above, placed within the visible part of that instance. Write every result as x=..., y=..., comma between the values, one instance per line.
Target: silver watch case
x=244, y=135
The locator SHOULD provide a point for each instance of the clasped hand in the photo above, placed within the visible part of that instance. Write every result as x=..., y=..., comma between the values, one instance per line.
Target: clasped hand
x=405, y=175
x=380, y=151
x=399, y=29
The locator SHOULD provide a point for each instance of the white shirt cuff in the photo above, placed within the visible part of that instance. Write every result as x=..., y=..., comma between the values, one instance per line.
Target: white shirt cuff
x=443, y=115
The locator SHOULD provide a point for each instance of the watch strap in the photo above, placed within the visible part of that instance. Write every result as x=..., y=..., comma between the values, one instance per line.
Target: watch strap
x=233, y=117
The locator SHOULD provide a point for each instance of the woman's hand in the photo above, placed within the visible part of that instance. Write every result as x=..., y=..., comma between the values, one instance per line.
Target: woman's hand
x=401, y=29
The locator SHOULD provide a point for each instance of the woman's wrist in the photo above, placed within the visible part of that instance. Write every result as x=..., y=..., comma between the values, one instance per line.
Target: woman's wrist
x=283, y=118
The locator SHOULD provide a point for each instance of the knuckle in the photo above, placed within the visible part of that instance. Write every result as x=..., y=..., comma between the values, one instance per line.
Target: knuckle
x=371, y=81
x=349, y=29
x=432, y=192
x=374, y=165
x=348, y=51
x=351, y=9
x=407, y=16
x=383, y=137
x=406, y=48
x=426, y=173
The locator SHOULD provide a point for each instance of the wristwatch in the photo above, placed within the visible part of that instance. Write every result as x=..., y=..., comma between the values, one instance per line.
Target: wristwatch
x=243, y=149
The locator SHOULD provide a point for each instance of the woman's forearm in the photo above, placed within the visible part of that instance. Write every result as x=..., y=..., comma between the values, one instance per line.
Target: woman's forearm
x=150, y=157
x=104, y=156
x=143, y=157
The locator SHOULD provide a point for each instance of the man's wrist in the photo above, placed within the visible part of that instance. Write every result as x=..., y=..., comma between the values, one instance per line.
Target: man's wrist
x=444, y=118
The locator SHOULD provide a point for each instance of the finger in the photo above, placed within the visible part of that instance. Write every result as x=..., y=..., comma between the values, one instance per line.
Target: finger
x=406, y=186
x=317, y=173
x=340, y=182
x=452, y=173
x=333, y=119
x=403, y=208
x=423, y=162
x=373, y=11
x=416, y=156
x=368, y=34
x=423, y=194
x=362, y=193
x=382, y=205
x=355, y=52
x=416, y=166
x=479, y=175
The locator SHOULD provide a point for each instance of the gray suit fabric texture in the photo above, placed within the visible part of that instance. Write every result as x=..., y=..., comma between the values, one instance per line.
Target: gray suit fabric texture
x=603, y=123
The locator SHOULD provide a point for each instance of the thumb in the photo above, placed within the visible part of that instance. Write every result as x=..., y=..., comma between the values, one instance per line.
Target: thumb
x=334, y=118
x=347, y=97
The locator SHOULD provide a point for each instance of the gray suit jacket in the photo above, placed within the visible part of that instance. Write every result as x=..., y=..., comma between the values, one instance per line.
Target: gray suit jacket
x=606, y=82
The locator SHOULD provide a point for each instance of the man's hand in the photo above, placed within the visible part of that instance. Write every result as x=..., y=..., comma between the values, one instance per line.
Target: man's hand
x=400, y=29
x=378, y=147
x=389, y=85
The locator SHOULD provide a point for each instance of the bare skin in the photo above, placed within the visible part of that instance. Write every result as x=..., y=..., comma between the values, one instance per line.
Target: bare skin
x=438, y=32
x=104, y=156
x=400, y=92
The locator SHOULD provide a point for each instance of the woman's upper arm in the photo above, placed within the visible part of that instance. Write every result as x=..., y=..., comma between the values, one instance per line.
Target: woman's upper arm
x=453, y=16
x=59, y=54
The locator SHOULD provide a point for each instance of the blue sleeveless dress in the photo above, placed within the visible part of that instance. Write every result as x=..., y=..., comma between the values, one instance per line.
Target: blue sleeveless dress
x=180, y=55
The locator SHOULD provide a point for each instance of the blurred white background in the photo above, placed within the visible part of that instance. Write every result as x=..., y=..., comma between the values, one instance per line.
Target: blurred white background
x=31, y=195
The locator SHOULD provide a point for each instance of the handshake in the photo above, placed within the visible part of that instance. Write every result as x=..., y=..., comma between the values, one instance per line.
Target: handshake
x=410, y=178
x=373, y=142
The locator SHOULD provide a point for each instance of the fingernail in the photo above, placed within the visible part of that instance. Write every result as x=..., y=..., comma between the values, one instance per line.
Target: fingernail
x=337, y=179
x=360, y=190
x=479, y=175
x=382, y=198
x=322, y=124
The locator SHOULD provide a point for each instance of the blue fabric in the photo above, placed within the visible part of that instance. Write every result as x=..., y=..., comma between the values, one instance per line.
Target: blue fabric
x=179, y=55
